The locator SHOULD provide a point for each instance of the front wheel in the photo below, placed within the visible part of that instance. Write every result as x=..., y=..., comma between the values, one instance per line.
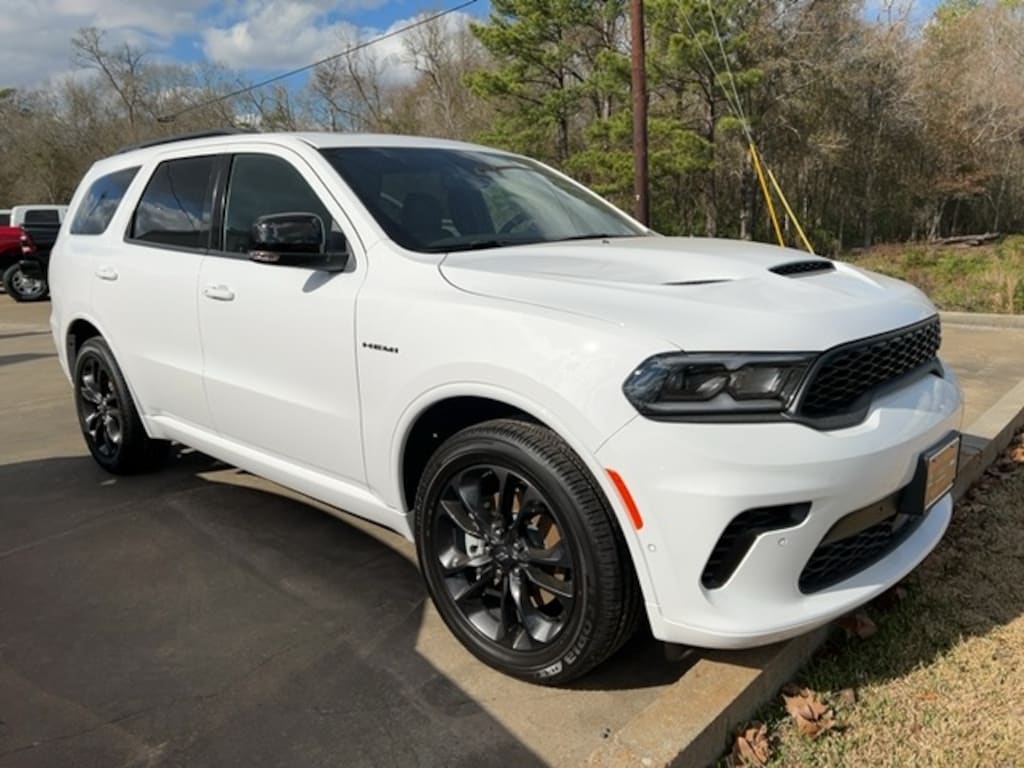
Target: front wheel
x=107, y=415
x=21, y=287
x=521, y=553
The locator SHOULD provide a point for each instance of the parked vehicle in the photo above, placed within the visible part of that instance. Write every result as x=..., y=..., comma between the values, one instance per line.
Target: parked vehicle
x=577, y=421
x=26, y=278
x=10, y=248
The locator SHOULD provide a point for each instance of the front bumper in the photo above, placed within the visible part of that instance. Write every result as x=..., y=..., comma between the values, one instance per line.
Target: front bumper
x=690, y=480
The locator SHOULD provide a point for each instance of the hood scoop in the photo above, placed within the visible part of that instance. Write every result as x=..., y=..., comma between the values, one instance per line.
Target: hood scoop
x=796, y=268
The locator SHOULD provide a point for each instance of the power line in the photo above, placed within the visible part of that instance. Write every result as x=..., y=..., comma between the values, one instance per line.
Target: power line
x=347, y=52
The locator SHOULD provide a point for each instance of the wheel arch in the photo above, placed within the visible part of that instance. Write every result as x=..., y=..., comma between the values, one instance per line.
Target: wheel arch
x=78, y=332
x=415, y=442
x=438, y=421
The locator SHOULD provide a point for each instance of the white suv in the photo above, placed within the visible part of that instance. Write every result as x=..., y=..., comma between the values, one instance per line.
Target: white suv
x=578, y=421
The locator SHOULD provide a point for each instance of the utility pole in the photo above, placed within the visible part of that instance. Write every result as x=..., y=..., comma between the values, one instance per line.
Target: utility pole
x=641, y=208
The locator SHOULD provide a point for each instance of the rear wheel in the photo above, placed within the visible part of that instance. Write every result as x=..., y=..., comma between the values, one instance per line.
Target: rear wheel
x=110, y=423
x=521, y=553
x=21, y=287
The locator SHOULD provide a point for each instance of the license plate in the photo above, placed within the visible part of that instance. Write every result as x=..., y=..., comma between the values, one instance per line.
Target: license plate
x=941, y=463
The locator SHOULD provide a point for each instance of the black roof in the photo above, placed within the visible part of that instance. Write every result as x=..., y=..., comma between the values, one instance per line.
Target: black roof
x=181, y=137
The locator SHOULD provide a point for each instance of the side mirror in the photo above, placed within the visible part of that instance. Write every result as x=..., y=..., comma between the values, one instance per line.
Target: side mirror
x=295, y=239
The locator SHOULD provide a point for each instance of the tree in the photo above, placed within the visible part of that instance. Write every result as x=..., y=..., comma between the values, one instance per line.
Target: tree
x=122, y=67
x=546, y=59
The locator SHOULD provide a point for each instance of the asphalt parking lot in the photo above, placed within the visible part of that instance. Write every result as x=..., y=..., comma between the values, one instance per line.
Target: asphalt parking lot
x=203, y=617
x=200, y=616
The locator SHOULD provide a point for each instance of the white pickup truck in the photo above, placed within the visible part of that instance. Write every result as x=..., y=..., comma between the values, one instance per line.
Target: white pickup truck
x=25, y=246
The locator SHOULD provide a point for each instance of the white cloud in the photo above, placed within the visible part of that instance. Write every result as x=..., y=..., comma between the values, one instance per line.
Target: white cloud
x=264, y=34
x=280, y=35
x=37, y=33
x=277, y=34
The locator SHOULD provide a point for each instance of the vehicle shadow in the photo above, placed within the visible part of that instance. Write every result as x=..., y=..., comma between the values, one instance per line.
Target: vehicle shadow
x=169, y=620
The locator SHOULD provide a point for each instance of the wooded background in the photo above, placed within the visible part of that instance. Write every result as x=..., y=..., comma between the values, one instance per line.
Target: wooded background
x=878, y=130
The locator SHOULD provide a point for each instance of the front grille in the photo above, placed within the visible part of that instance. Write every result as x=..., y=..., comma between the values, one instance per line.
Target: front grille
x=845, y=374
x=739, y=535
x=802, y=267
x=837, y=560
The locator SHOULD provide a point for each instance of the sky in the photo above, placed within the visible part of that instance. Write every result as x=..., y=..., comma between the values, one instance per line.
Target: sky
x=258, y=37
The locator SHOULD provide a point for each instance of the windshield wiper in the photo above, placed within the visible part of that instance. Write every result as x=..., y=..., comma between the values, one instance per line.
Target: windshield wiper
x=590, y=236
x=478, y=245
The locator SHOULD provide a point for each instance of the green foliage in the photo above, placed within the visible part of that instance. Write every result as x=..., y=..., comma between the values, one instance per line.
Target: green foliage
x=951, y=10
x=548, y=61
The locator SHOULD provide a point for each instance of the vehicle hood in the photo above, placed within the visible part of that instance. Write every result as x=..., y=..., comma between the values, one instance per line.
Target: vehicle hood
x=698, y=294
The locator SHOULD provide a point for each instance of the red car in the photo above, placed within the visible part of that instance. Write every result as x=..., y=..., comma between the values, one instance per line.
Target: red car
x=10, y=247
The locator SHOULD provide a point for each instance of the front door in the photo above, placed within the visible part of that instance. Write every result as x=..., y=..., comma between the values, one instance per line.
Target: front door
x=279, y=341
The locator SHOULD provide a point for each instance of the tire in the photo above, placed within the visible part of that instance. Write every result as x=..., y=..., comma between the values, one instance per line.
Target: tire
x=521, y=553
x=22, y=288
x=107, y=415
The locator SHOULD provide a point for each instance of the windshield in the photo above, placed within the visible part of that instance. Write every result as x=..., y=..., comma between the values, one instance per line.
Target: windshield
x=436, y=200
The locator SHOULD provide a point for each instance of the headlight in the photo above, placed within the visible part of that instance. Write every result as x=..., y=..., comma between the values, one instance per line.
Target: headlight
x=681, y=385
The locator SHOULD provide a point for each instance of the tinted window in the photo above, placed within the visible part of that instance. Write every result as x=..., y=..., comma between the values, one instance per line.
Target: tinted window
x=432, y=199
x=5, y=219
x=175, y=208
x=45, y=216
x=100, y=202
x=261, y=185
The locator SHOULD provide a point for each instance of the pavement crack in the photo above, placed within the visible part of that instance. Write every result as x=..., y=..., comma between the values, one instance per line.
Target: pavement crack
x=81, y=731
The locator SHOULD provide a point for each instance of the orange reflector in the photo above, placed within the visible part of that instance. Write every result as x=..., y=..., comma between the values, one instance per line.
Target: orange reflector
x=627, y=499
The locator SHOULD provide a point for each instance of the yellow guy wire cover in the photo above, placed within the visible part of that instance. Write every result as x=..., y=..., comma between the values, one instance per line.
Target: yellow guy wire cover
x=767, y=195
x=789, y=211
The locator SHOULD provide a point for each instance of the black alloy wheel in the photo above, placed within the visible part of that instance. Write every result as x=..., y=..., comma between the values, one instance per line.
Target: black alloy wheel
x=110, y=423
x=100, y=408
x=521, y=553
x=507, y=566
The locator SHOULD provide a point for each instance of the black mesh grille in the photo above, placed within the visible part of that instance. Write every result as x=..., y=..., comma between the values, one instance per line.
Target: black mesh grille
x=802, y=267
x=740, y=534
x=838, y=560
x=846, y=373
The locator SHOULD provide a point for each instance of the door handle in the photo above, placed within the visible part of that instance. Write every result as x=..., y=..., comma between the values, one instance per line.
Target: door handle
x=106, y=273
x=219, y=293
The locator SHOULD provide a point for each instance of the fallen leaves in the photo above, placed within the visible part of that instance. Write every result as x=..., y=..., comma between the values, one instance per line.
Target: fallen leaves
x=810, y=714
x=891, y=598
x=858, y=624
x=1017, y=453
x=752, y=747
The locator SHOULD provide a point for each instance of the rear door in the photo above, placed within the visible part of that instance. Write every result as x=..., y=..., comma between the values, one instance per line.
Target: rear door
x=144, y=294
x=279, y=341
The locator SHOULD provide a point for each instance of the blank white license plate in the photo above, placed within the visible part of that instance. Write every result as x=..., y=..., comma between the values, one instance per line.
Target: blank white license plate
x=941, y=463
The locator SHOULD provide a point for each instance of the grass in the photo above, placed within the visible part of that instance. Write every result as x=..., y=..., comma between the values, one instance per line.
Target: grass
x=988, y=278
x=941, y=683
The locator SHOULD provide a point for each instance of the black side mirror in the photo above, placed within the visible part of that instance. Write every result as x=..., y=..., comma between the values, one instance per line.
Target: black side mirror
x=295, y=239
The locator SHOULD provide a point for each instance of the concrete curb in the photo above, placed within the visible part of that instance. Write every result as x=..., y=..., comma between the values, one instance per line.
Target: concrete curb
x=982, y=320
x=690, y=723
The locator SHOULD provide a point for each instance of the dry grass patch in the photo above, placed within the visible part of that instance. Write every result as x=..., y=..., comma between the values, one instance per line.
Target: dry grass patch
x=941, y=681
x=987, y=278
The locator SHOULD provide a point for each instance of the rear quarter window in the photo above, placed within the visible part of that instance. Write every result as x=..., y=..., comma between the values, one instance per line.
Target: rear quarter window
x=101, y=201
x=175, y=209
x=44, y=216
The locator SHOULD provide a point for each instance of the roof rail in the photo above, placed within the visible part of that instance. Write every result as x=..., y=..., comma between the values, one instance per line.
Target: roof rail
x=181, y=137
